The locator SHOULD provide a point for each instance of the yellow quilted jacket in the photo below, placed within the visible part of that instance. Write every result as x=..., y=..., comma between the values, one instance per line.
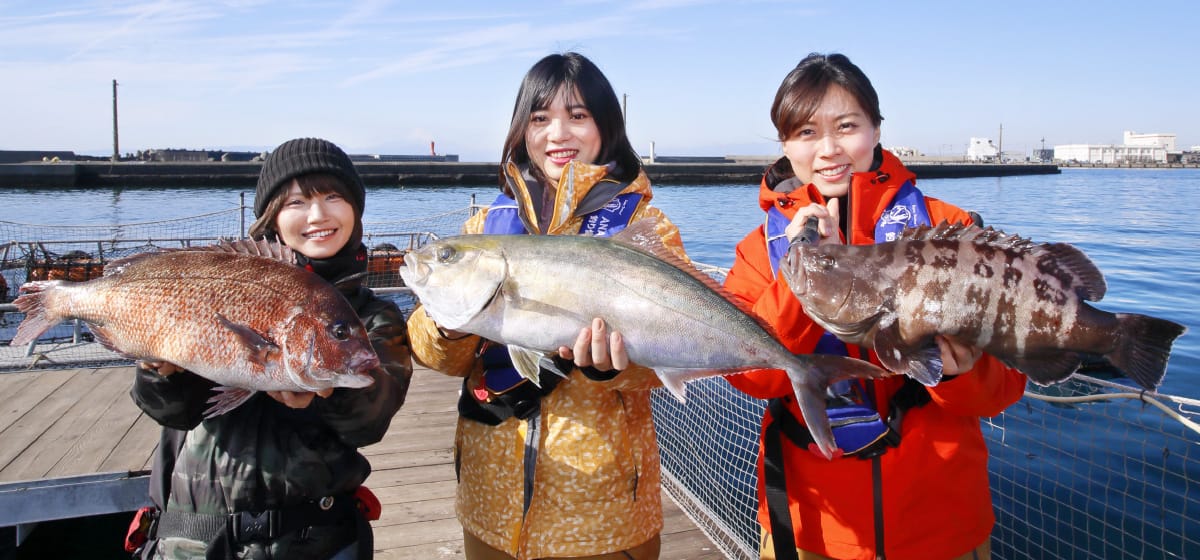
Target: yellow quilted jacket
x=596, y=479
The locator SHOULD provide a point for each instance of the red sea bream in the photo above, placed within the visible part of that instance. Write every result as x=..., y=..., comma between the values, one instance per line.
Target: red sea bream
x=239, y=314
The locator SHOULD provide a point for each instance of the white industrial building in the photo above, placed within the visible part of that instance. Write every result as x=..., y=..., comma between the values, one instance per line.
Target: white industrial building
x=982, y=149
x=1138, y=148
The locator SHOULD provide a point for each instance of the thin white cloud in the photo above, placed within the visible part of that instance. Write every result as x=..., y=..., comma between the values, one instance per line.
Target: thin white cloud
x=499, y=42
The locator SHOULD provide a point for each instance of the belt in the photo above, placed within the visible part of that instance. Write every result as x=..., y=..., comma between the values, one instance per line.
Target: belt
x=247, y=526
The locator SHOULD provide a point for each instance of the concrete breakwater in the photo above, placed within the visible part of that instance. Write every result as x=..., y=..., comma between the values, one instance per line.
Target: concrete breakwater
x=237, y=174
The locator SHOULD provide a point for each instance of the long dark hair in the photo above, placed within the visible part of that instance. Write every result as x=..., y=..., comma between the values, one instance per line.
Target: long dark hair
x=804, y=87
x=543, y=81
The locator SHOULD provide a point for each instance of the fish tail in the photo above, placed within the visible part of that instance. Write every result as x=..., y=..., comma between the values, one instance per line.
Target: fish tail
x=39, y=317
x=1143, y=347
x=809, y=383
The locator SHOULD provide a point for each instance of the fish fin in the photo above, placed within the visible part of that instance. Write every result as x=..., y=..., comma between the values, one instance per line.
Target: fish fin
x=527, y=362
x=922, y=362
x=1144, y=347
x=643, y=236
x=105, y=338
x=257, y=247
x=811, y=377
x=1092, y=285
x=258, y=348
x=675, y=381
x=547, y=363
x=38, y=318
x=1046, y=368
x=226, y=399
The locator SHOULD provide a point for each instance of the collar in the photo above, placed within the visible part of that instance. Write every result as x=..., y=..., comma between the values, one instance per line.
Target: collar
x=345, y=270
x=583, y=188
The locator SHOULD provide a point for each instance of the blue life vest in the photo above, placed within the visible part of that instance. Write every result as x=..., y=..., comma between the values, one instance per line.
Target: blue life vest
x=503, y=219
x=856, y=423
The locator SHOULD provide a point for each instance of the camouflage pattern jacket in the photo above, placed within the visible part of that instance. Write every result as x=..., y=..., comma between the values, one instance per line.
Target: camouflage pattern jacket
x=263, y=455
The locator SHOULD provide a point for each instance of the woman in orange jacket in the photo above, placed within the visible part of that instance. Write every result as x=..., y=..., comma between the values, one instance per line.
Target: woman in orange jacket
x=912, y=481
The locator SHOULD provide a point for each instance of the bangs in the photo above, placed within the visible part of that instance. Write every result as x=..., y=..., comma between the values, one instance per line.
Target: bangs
x=323, y=183
x=796, y=108
x=547, y=94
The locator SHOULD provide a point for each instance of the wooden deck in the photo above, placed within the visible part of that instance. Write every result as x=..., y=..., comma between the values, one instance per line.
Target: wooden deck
x=79, y=422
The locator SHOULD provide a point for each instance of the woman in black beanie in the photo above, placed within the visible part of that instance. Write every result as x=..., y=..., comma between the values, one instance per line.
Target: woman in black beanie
x=281, y=476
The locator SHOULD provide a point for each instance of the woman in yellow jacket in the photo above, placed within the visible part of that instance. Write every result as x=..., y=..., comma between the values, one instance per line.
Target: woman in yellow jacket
x=571, y=469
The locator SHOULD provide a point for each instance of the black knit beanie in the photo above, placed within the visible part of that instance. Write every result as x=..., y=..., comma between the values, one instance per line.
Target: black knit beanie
x=300, y=157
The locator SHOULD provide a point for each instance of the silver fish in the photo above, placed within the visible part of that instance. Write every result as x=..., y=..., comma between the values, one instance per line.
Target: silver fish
x=1024, y=303
x=535, y=292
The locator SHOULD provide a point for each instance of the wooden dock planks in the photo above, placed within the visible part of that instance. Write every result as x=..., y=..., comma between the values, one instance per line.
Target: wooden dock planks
x=60, y=423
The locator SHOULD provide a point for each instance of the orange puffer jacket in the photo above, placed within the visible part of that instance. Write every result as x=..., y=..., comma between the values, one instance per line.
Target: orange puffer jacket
x=936, y=501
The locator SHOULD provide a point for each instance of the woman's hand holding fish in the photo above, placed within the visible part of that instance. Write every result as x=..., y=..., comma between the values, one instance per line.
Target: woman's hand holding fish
x=162, y=368
x=827, y=226
x=295, y=399
x=597, y=348
x=957, y=357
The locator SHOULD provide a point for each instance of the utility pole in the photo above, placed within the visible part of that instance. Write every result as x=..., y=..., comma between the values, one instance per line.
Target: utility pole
x=116, y=146
x=624, y=106
x=1000, y=145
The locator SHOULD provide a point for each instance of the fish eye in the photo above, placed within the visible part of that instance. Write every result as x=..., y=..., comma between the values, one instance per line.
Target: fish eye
x=825, y=262
x=445, y=253
x=340, y=331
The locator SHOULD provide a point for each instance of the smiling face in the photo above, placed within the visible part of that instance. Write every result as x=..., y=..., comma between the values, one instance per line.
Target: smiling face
x=560, y=133
x=316, y=226
x=837, y=141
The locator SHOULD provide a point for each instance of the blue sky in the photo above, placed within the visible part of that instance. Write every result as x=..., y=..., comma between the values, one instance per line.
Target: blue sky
x=389, y=77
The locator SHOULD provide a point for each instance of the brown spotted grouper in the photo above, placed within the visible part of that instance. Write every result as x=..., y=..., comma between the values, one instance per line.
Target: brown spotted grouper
x=1024, y=303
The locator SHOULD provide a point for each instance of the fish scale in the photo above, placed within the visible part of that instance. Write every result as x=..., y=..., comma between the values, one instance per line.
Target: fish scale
x=1024, y=303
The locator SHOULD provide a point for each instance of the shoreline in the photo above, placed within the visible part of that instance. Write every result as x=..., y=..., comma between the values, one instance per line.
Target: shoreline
x=80, y=174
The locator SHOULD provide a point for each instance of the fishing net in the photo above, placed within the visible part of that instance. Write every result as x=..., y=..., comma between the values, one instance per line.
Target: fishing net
x=1084, y=469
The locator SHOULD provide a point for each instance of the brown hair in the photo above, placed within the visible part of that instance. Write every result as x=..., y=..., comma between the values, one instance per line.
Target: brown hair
x=806, y=85
x=311, y=184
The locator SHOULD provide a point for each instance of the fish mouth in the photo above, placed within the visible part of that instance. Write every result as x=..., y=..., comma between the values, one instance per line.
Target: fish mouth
x=363, y=362
x=413, y=271
x=793, y=271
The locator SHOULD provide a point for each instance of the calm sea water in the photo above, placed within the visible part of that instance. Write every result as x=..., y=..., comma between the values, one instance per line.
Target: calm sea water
x=1139, y=226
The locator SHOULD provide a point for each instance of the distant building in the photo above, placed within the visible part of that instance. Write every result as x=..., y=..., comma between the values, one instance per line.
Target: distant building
x=176, y=156
x=905, y=151
x=1109, y=153
x=982, y=150
x=1164, y=140
x=1138, y=148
